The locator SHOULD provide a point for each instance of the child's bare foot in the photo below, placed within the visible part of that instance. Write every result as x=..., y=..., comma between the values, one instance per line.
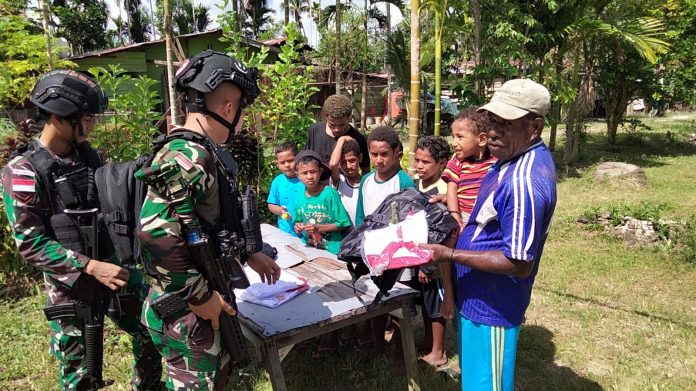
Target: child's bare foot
x=434, y=359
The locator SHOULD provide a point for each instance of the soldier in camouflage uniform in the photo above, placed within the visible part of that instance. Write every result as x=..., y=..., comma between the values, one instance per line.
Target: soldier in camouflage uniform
x=217, y=88
x=68, y=102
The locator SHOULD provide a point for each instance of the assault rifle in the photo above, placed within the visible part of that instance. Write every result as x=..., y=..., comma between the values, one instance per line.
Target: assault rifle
x=89, y=307
x=223, y=272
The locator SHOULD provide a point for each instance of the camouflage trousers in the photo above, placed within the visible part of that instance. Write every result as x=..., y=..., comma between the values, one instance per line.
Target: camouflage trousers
x=68, y=343
x=192, y=351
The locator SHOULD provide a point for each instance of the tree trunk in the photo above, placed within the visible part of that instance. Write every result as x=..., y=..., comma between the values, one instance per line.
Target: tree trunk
x=556, y=106
x=476, y=11
x=570, y=154
x=338, y=46
x=286, y=9
x=413, y=104
x=174, y=109
x=363, y=98
x=47, y=33
x=439, y=20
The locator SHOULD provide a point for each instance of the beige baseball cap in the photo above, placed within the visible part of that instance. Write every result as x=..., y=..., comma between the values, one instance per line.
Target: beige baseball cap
x=517, y=98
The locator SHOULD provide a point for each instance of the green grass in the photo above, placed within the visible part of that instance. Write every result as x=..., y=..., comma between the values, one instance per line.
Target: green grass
x=603, y=315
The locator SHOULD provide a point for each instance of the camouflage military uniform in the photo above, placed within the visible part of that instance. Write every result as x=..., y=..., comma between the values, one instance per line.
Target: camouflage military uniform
x=191, y=348
x=25, y=206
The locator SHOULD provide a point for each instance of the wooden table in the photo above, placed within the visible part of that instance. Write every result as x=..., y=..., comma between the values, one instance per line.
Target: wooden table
x=331, y=304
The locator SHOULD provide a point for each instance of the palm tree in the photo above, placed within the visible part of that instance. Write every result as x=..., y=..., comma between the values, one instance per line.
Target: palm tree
x=297, y=8
x=258, y=16
x=588, y=34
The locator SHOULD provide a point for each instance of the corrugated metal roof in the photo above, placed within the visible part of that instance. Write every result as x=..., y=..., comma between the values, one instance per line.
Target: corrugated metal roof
x=99, y=53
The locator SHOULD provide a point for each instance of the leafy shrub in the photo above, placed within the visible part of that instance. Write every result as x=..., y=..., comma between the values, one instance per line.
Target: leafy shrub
x=126, y=133
x=677, y=237
x=281, y=112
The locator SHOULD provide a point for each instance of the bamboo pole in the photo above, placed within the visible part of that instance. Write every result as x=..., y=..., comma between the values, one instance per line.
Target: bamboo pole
x=47, y=34
x=414, y=104
x=174, y=109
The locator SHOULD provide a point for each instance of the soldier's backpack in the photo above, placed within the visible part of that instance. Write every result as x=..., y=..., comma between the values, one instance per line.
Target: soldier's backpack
x=121, y=197
x=395, y=207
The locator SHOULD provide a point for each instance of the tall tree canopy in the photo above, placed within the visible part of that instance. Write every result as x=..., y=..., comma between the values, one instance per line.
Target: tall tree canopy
x=82, y=23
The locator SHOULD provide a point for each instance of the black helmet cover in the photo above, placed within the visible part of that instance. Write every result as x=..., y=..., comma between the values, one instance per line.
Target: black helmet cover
x=205, y=71
x=66, y=93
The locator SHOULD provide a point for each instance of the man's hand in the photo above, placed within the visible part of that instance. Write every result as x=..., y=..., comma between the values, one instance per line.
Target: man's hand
x=299, y=227
x=113, y=276
x=440, y=252
x=447, y=307
x=268, y=270
x=211, y=309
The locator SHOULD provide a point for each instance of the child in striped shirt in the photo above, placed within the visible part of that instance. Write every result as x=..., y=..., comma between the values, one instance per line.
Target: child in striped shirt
x=470, y=163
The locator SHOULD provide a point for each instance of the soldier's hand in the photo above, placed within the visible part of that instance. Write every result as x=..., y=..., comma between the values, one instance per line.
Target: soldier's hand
x=268, y=270
x=113, y=276
x=211, y=309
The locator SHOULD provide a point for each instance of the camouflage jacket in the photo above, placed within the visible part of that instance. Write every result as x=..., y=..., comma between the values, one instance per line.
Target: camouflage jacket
x=26, y=209
x=161, y=237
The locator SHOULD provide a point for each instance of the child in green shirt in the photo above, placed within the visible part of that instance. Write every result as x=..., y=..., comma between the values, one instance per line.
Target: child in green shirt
x=320, y=218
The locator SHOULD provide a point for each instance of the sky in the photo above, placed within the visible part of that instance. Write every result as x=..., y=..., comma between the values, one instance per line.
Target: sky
x=310, y=27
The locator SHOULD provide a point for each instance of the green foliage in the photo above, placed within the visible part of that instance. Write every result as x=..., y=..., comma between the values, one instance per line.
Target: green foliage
x=23, y=56
x=354, y=50
x=126, y=134
x=677, y=237
x=635, y=129
x=82, y=23
x=281, y=112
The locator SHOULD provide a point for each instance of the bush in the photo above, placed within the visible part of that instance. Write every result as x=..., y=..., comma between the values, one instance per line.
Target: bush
x=281, y=112
x=127, y=133
x=677, y=237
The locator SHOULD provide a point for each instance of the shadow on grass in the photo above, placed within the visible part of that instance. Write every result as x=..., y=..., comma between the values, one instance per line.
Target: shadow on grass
x=618, y=307
x=536, y=369
x=645, y=149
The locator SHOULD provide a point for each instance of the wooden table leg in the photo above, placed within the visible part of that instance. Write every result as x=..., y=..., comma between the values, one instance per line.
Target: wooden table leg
x=273, y=366
x=409, y=347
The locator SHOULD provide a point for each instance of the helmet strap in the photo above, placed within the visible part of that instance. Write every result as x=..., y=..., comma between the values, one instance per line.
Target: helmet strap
x=199, y=106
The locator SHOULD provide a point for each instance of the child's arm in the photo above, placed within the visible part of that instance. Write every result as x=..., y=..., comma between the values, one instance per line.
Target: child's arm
x=447, y=309
x=275, y=209
x=453, y=202
x=273, y=200
x=335, y=161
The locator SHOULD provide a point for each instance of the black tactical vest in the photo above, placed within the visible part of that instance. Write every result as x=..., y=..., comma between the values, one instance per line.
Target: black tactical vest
x=66, y=185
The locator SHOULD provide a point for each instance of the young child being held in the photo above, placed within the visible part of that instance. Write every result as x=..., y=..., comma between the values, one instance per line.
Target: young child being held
x=430, y=159
x=345, y=173
x=470, y=163
x=285, y=187
x=319, y=217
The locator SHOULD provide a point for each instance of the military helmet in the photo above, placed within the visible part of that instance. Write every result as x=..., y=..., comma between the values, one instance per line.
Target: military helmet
x=205, y=71
x=66, y=93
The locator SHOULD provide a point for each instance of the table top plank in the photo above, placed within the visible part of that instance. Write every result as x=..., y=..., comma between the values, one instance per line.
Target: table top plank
x=330, y=299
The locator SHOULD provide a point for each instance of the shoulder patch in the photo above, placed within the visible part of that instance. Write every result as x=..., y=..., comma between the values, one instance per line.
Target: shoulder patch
x=183, y=161
x=23, y=190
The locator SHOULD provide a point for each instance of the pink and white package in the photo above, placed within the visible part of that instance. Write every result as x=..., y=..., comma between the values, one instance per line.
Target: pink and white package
x=395, y=246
